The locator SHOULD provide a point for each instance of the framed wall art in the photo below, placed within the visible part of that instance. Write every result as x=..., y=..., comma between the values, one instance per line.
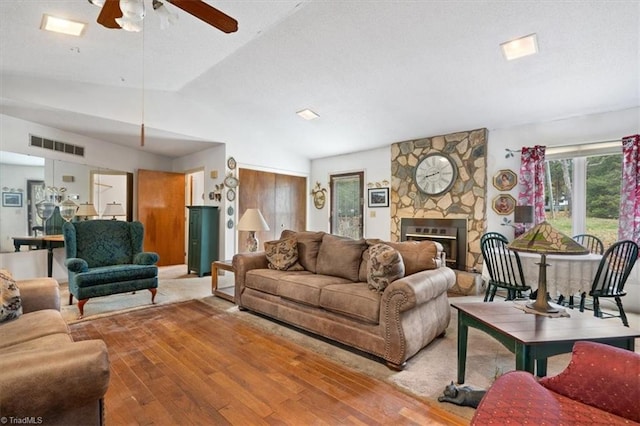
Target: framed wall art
x=505, y=180
x=12, y=199
x=504, y=204
x=378, y=197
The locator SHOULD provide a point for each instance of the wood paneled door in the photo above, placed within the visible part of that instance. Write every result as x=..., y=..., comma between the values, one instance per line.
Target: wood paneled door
x=280, y=198
x=161, y=200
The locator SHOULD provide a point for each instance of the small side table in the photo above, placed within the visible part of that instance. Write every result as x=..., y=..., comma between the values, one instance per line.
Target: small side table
x=226, y=293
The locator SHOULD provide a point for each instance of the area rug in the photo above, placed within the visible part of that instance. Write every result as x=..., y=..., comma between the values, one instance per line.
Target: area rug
x=174, y=285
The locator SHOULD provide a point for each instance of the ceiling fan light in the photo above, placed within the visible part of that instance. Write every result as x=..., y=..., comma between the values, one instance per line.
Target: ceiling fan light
x=167, y=18
x=132, y=10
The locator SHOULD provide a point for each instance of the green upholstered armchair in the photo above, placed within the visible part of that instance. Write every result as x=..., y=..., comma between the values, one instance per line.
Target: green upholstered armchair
x=105, y=257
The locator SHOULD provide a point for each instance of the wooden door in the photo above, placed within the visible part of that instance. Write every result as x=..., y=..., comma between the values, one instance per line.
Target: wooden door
x=280, y=198
x=161, y=198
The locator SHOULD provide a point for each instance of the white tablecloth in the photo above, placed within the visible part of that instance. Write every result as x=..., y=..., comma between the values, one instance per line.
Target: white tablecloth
x=566, y=275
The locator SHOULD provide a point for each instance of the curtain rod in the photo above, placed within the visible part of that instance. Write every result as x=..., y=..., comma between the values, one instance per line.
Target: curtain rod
x=510, y=151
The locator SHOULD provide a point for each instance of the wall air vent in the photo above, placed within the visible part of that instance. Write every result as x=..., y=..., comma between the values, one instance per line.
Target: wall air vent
x=52, y=145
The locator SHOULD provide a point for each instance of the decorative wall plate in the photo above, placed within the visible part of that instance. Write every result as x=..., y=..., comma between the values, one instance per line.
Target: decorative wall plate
x=231, y=163
x=231, y=194
x=230, y=223
x=230, y=210
x=231, y=181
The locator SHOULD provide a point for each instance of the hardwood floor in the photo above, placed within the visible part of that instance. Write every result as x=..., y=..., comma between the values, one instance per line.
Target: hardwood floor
x=189, y=363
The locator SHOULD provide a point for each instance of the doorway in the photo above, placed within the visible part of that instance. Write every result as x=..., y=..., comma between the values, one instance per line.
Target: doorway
x=347, y=204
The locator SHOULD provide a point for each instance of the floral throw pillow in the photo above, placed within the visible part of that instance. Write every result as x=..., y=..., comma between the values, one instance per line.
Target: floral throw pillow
x=10, y=302
x=283, y=254
x=385, y=266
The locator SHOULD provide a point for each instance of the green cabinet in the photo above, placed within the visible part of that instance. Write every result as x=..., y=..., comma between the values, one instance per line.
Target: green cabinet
x=204, y=241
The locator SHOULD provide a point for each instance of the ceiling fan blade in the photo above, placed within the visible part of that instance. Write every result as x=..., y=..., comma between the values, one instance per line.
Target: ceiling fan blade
x=208, y=14
x=108, y=14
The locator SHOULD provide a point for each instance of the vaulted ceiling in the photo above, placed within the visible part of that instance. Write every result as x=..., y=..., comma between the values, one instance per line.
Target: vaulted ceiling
x=376, y=72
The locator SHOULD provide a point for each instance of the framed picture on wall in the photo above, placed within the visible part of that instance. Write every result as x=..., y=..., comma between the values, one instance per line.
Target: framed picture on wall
x=12, y=199
x=504, y=204
x=505, y=180
x=378, y=197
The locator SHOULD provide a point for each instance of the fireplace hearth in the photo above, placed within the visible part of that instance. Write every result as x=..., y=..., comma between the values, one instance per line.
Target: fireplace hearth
x=451, y=233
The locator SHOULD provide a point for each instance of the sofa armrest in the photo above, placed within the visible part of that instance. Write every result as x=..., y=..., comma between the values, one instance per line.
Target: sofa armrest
x=243, y=263
x=43, y=382
x=146, y=258
x=595, y=373
x=77, y=265
x=38, y=294
x=419, y=288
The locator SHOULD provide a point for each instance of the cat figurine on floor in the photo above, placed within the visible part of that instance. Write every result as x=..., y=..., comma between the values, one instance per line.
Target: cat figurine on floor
x=461, y=395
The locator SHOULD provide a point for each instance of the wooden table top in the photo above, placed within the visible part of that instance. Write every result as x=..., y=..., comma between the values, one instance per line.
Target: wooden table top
x=530, y=329
x=59, y=237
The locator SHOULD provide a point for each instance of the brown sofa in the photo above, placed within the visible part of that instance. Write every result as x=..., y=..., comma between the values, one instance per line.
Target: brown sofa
x=328, y=293
x=45, y=376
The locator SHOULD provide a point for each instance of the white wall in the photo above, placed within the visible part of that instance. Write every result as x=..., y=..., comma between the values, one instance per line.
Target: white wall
x=376, y=165
x=14, y=137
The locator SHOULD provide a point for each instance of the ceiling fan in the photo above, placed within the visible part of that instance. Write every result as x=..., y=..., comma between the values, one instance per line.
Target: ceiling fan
x=112, y=11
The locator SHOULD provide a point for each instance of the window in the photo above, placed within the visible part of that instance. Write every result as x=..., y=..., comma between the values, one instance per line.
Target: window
x=582, y=193
x=347, y=201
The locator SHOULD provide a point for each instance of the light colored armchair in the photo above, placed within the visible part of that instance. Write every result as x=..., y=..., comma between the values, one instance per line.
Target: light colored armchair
x=105, y=257
x=44, y=374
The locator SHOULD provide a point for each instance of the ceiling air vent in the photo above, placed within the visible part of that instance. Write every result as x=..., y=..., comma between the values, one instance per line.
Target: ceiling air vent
x=52, y=145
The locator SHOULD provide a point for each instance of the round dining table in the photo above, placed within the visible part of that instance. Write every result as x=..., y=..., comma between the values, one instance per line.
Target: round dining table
x=567, y=275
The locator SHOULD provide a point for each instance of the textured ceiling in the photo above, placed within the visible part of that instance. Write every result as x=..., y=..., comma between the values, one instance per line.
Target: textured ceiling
x=376, y=72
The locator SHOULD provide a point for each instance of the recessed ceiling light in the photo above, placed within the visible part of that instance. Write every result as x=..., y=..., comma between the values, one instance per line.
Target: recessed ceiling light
x=307, y=114
x=520, y=47
x=61, y=25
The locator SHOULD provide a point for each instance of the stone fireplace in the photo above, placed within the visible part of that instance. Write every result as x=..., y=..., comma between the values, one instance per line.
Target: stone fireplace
x=464, y=202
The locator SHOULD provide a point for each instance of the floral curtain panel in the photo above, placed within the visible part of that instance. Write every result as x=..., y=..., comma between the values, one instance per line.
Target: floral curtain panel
x=532, y=172
x=629, y=228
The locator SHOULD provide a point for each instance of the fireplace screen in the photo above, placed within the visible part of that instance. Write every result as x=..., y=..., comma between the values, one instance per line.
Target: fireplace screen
x=451, y=233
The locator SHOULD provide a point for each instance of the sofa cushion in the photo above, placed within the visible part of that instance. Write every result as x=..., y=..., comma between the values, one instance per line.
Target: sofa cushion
x=364, y=263
x=385, y=266
x=10, y=302
x=268, y=280
x=282, y=254
x=306, y=288
x=418, y=255
x=353, y=300
x=32, y=326
x=340, y=257
x=51, y=341
x=308, y=247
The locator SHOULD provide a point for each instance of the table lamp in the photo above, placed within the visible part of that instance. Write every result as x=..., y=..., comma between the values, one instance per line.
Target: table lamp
x=545, y=239
x=252, y=221
x=113, y=209
x=85, y=210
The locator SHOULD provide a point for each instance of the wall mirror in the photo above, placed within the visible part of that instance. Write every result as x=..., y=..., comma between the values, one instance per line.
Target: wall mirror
x=40, y=178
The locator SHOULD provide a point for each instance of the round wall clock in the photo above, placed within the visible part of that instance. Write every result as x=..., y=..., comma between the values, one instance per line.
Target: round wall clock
x=435, y=174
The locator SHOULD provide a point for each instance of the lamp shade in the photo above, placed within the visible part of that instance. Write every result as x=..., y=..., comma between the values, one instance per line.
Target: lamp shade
x=252, y=220
x=113, y=209
x=523, y=214
x=544, y=238
x=86, y=210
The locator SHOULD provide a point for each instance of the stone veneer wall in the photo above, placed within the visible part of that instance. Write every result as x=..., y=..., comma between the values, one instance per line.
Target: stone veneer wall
x=465, y=200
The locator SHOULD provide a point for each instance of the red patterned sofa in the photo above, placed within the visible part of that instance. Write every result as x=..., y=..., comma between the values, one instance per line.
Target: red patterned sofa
x=601, y=385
